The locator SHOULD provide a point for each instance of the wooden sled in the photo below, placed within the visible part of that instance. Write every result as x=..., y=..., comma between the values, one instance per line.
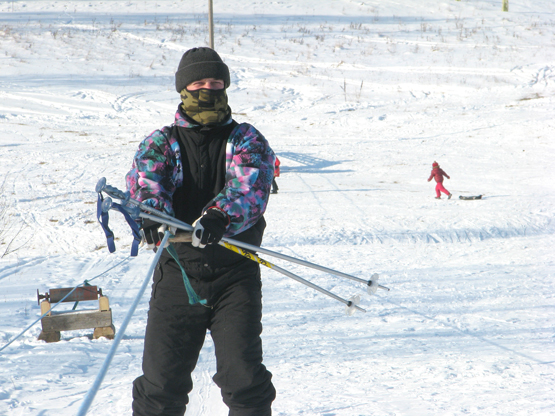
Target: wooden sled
x=55, y=322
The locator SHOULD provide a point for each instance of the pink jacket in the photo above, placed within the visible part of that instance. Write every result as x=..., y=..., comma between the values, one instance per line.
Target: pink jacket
x=438, y=174
x=276, y=168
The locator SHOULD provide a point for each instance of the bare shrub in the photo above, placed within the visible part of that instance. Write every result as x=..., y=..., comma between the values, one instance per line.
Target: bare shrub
x=10, y=228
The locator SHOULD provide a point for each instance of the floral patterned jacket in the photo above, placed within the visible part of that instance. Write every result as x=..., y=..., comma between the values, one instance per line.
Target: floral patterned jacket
x=157, y=173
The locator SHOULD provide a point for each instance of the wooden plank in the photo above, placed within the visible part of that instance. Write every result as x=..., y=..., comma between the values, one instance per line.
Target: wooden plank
x=50, y=336
x=107, y=331
x=182, y=238
x=79, y=294
x=68, y=321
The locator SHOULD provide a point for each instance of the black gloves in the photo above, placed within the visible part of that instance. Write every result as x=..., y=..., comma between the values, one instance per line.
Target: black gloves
x=210, y=228
x=152, y=235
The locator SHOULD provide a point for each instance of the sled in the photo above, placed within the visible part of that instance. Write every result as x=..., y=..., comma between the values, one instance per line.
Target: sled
x=468, y=198
x=55, y=322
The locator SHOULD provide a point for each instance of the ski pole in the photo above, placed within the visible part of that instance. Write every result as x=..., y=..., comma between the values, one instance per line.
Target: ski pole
x=254, y=257
x=303, y=262
x=251, y=256
x=125, y=198
x=186, y=227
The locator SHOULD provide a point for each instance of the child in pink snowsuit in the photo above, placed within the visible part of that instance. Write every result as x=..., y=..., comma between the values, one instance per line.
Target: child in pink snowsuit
x=438, y=174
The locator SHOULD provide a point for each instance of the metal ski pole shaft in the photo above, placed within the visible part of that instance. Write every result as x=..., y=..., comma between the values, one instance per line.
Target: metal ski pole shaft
x=171, y=222
x=254, y=257
x=186, y=227
x=316, y=287
x=230, y=244
x=299, y=261
x=157, y=215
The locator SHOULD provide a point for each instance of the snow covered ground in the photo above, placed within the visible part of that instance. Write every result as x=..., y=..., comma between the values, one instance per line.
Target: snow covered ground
x=357, y=98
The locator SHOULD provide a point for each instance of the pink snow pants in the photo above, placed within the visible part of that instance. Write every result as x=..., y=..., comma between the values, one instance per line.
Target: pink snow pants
x=439, y=187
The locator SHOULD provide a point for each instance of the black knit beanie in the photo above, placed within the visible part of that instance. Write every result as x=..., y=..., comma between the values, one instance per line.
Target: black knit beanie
x=200, y=63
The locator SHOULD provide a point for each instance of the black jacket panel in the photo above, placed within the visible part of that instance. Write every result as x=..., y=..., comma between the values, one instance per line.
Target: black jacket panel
x=203, y=154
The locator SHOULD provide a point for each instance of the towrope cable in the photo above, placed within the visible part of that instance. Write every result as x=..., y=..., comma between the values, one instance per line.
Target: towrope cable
x=87, y=401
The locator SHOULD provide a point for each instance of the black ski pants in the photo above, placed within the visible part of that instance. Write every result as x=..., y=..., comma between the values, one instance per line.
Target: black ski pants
x=175, y=335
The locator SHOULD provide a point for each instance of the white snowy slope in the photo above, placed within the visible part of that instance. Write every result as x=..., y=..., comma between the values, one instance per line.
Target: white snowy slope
x=357, y=98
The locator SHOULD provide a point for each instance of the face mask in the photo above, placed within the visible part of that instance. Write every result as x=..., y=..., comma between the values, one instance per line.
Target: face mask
x=205, y=106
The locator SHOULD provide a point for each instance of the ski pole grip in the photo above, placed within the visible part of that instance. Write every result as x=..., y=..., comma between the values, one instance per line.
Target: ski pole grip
x=116, y=193
x=100, y=185
x=106, y=204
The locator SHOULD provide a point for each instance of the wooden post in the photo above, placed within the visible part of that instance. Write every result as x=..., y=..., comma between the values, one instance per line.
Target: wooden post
x=45, y=307
x=105, y=331
x=211, y=23
x=103, y=303
x=108, y=332
x=505, y=5
x=48, y=336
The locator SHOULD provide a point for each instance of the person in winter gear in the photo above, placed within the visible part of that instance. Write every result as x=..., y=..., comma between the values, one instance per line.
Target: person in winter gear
x=208, y=170
x=438, y=174
x=275, y=187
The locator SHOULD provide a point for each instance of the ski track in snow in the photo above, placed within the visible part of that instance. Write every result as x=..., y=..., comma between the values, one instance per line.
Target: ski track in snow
x=357, y=99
